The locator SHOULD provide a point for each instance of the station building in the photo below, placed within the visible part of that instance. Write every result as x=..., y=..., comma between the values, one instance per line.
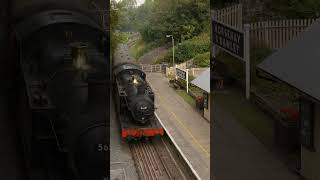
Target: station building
x=298, y=66
x=203, y=82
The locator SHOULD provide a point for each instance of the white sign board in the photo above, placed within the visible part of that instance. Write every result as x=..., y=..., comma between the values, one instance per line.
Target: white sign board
x=183, y=74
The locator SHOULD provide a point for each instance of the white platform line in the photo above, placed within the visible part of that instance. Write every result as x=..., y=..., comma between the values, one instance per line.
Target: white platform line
x=178, y=148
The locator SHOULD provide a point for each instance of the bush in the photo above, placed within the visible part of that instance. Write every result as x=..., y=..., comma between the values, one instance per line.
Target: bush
x=296, y=9
x=202, y=60
x=189, y=48
x=118, y=37
x=140, y=48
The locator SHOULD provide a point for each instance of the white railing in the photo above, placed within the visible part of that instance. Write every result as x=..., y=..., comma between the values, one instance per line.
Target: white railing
x=231, y=16
x=151, y=67
x=276, y=34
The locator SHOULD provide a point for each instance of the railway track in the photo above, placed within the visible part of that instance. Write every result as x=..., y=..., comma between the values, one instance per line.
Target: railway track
x=157, y=159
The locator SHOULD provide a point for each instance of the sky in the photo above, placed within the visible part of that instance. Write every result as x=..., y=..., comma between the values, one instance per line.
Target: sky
x=139, y=2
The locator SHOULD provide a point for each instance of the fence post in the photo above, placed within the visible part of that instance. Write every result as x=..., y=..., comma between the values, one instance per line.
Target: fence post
x=266, y=33
x=240, y=16
x=247, y=58
x=174, y=71
x=187, y=81
x=213, y=47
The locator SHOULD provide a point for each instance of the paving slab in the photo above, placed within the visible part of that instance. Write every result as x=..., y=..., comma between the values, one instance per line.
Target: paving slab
x=237, y=154
x=189, y=130
x=121, y=163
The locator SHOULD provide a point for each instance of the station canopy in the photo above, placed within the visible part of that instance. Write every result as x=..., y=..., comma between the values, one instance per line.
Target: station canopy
x=203, y=81
x=298, y=64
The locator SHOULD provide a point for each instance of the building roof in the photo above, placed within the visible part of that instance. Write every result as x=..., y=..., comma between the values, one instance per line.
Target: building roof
x=203, y=81
x=298, y=64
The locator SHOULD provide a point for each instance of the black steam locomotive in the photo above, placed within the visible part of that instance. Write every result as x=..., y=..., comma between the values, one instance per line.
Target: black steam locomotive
x=63, y=82
x=135, y=96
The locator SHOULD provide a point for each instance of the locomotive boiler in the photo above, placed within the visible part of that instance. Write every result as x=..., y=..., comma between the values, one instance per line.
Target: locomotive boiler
x=137, y=98
x=63, y=86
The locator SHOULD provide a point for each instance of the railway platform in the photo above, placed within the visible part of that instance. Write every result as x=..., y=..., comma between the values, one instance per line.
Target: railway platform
x=122, y=166
x=236, y=150
x=186, y=127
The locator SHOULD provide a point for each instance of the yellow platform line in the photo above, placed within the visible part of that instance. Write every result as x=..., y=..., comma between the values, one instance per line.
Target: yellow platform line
x=185, y=127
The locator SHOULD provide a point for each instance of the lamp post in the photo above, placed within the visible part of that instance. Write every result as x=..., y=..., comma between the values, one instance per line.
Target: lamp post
x=172, y=48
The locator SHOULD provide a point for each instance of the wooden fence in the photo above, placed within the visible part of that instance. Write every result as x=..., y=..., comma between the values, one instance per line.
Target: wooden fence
x=231, y=16
x=276, y=34
x=272, y=34
x=152, y=67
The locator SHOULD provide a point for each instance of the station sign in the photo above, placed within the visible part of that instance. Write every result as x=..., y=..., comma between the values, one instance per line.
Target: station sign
x=227, y=38
x=182, y=74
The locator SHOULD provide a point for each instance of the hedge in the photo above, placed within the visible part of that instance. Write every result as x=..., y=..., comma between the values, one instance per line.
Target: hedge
x=189, y=49
x=202, y=60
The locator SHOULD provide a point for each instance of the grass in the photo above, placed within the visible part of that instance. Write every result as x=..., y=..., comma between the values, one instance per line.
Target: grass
x=195, y=90
x=140, y=48
x=247, y=114
x=186, y=97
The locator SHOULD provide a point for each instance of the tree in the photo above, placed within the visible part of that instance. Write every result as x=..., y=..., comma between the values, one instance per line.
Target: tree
x=296, y=8
x=182, y=18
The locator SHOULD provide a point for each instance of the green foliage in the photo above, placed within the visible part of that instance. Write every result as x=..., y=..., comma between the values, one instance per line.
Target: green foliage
x=184, y=19
x=217, y=4
x=126, y=10
x=189, y=49
x=186, y=97
x=120, y=13
x=114, y=16
x=118, y=37
x=140, y=48
x=181, y=18
x=202, y=60
x=296, y=8
x=236, y=67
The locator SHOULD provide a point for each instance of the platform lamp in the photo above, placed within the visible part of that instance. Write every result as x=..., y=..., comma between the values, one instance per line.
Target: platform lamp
x=172, y=47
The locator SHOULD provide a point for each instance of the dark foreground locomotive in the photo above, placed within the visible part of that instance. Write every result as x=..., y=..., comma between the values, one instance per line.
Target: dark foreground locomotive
x=134, y=100
x=64, y=89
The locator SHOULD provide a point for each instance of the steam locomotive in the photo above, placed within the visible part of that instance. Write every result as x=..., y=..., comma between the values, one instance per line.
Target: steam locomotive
x=63, y=87
x=136, y=95
x=134, y=99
